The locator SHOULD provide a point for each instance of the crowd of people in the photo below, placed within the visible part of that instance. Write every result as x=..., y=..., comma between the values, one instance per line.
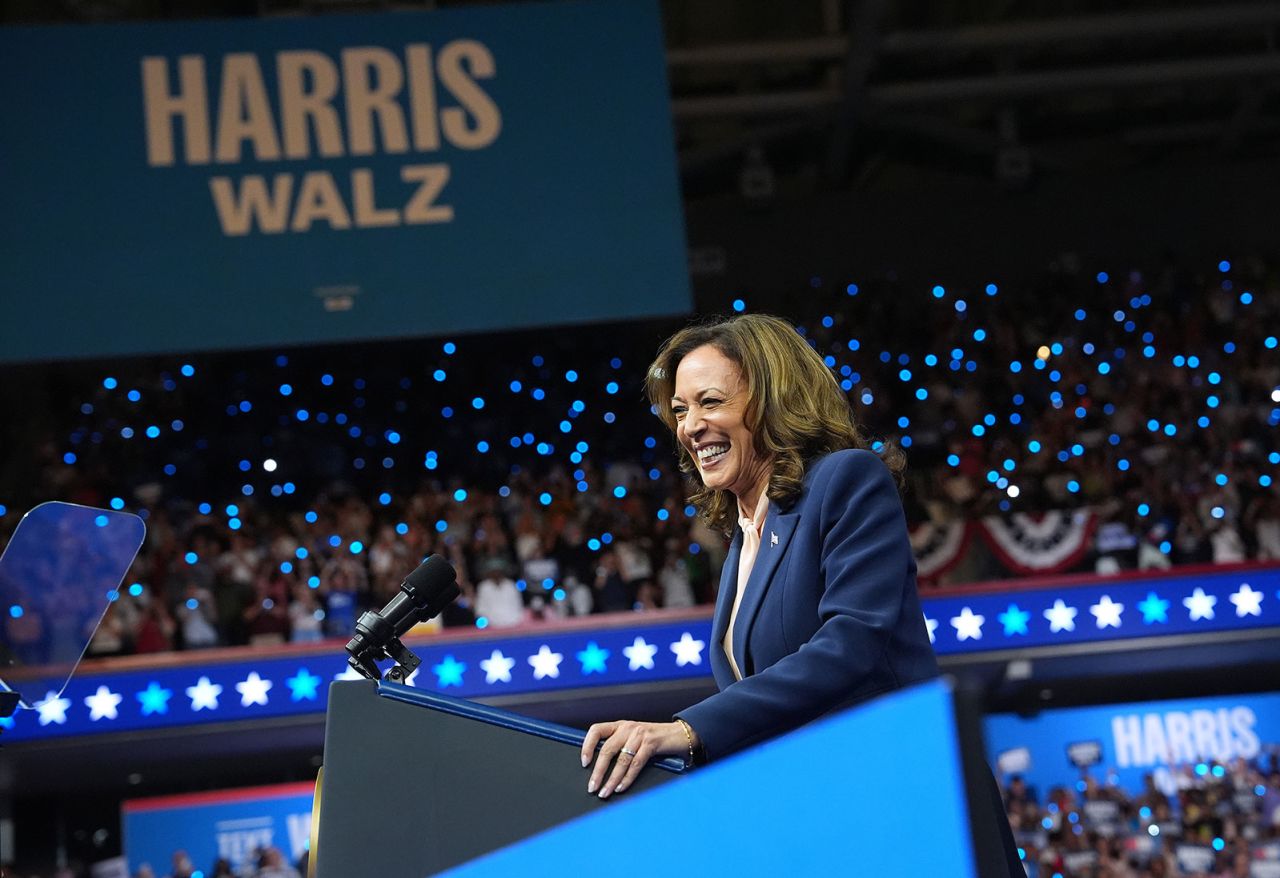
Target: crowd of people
x=1218, y=821
x=268, y=862
x=285, y=492
x=308, y=576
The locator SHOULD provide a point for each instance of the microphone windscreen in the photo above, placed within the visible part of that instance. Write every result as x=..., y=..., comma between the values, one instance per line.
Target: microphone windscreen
x=432, y=575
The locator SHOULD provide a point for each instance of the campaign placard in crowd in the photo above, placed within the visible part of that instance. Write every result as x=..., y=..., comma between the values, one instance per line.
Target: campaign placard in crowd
x=1126, y=742
x=238, y=826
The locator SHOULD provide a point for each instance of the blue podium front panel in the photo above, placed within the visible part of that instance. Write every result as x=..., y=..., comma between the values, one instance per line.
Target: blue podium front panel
x=877, y=790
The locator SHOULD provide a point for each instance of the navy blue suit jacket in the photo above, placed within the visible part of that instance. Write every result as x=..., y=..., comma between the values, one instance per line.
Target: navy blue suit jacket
x=830, y=615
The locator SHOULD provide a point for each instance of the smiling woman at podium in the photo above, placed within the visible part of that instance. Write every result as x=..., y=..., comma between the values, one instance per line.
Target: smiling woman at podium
x=817, y=608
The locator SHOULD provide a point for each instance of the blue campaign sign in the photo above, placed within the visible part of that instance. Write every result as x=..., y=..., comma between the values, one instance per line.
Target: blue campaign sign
x=1133, y=740
x=298, y=683
x=199, y=185
x=233, y=825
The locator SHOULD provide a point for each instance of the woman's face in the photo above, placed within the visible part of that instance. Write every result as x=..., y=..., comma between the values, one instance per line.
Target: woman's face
x=710, y=404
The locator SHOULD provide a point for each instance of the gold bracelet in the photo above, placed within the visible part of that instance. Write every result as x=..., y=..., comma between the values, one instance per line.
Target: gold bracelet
x=688, y=734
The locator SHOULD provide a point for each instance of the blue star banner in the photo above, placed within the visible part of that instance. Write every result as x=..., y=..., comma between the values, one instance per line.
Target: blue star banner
x=979, y=621
x=298, y=683
x=1095, y=610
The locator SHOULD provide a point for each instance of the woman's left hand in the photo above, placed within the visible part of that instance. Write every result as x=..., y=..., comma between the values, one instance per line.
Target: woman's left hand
x=627, y=747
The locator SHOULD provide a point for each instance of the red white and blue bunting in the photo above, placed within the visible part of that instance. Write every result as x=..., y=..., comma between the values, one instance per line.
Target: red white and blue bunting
x=1050, y=542
x=939, y=548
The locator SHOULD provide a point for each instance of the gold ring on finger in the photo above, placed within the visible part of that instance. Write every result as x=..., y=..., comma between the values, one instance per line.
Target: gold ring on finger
x=628, y=752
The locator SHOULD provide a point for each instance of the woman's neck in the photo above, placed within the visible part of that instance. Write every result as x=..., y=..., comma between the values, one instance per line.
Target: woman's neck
x=749, y=499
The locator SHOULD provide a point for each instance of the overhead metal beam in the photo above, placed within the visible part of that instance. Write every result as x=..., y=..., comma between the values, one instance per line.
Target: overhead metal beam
x=1082, y=29
x=988, y=37
x=756, y=104
x=1013, y=86
x=1177, y=133
x=828, y=48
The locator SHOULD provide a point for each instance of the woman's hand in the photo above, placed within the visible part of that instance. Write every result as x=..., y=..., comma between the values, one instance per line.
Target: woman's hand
x=627, y=747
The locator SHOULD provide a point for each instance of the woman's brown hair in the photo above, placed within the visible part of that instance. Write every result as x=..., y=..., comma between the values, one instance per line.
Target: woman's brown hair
x=795, y=410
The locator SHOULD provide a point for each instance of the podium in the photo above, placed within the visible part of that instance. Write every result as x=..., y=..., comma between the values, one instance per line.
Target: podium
x=415, y=784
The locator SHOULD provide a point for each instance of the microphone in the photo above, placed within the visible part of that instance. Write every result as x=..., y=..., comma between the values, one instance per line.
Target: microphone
x=423, y=594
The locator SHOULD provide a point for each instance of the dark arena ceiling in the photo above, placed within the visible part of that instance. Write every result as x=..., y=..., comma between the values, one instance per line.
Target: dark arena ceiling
x=856, y=95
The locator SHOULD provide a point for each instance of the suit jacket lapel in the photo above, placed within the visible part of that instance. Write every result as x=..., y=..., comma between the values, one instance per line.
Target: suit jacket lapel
x=728, y=586
x=773, y=545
